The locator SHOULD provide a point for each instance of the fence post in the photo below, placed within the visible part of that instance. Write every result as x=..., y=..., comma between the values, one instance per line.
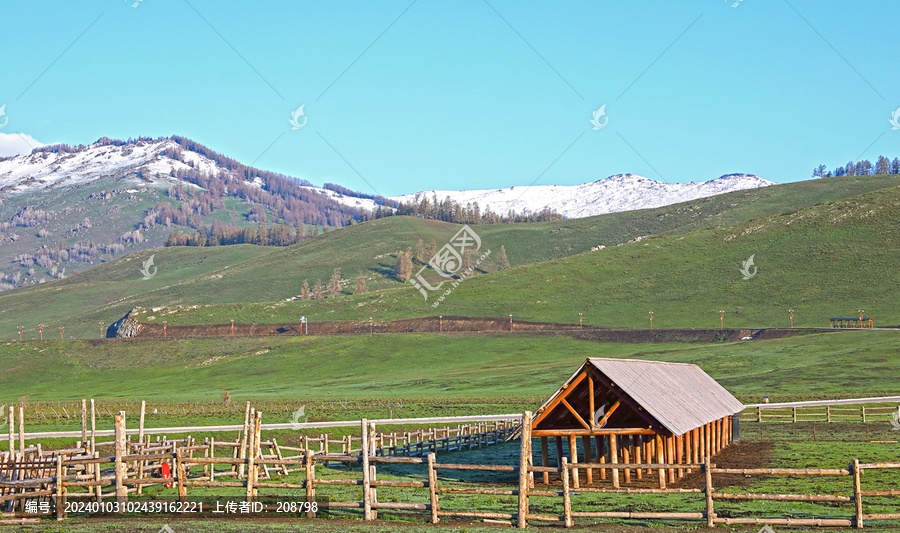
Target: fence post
x=367, y=482
x=759, y=414
x=22, y=433
x=60, y=489
x=251, y=462
x=242, y=452
x=181, y=472
x=432, y=489
x=310, y=483
x=857, y=493
x=121, y=466
x=84, y=422
x=828, y=413
x=567, y=496
x=864, y=414
x=524, y=463
x=710, y=512
x=373, y=451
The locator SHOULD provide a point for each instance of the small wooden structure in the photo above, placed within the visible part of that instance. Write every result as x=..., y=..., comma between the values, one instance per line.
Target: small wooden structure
x=854, y=323
x=636, y=411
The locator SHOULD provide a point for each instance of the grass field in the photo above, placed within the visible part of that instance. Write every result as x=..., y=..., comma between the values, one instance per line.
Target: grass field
x=382, y=367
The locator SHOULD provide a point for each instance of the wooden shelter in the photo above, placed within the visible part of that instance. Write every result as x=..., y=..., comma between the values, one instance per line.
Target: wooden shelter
x=856, y=323
x=637, y=411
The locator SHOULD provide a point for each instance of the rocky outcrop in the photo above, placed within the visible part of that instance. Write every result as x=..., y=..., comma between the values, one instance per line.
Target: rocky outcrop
x=125, y=327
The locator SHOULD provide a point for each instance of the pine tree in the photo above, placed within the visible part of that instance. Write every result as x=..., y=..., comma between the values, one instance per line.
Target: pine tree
x=819, y=172
x=502, y=260
x=361, y=287
x=304, y=291
x=334, y=284
x=883, y=165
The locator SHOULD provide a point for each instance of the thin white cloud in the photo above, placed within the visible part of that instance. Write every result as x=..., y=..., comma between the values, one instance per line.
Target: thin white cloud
x=17, y=143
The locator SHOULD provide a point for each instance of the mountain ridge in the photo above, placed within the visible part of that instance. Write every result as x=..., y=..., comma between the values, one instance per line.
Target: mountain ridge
x=615, y=194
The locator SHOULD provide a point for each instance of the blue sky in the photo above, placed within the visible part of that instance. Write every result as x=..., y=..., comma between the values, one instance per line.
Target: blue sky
x=407, y=96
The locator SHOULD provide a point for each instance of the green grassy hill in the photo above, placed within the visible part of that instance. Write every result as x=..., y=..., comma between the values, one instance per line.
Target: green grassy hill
x=823, y=262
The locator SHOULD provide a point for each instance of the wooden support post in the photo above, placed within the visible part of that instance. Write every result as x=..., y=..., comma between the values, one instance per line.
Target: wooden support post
x=588, y=457
x=251, y=463
x=22, y=431
x=710, y=511
x=525, y=461
x=707, y=441
x=857, y=493
x=696, y=446
x=98, y=489
x=141, y=422
x=661, y=459
x=432, y=490
x=545, y=459
x=93, y=427
x=613, y=459
x=372, y=453
x=573, y=457
x=367, y=481
x=670, y=456
x=12, y=429
x=559, y=451
x=181, y=475
x=626, y=458
x=310, y=461
x=704, y=444
x=84, y=422
x=242, y=450
x=121, y=466
x=60, y=489
x=567, y=496
x=638, y=454
x=598, y=443
x=257, y=451
x=679, y=447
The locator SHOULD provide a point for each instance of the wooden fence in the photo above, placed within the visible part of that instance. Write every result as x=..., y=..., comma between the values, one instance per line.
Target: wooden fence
x=43, y=486
x=820, y=413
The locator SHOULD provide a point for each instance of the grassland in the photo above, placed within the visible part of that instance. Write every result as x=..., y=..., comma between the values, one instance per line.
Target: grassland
x=426, y=366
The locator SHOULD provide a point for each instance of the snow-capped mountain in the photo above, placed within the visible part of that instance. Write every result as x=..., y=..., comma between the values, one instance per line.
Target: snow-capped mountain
x=64, y=208
x=621, y=192
x=139, y=163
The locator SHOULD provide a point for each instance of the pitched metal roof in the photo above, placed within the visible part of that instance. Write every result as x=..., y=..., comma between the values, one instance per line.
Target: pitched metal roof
x=679, y=396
